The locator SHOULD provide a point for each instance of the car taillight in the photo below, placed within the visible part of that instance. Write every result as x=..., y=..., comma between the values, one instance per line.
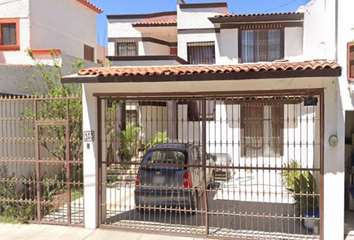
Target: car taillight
x=138, y=182
x=187, y=182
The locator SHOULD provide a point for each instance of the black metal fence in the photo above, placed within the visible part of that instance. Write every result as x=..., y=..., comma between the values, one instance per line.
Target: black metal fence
x=227, y=165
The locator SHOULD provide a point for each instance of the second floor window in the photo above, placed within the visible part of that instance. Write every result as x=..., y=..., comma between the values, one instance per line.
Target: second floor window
x=259, y=45
x=89, y=53
x=9, y=39
x=126, y=48
x=8, y=34
x=201, y=52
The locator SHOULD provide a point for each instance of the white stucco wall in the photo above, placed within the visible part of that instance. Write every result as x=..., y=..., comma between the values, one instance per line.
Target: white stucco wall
x=319, y=30
x=122, y=28
x=333, y=174
x=156, y=49
x=293, y=43
x=62, y=24
x=228, y=46
x=345, y=35
x=14, y=9
x=191, y=18
x=17, y=9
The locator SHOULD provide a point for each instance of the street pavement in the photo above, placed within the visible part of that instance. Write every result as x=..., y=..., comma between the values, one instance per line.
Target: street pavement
x=55, y=232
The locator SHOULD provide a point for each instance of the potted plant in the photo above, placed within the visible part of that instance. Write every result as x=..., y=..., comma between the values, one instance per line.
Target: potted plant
x=306, y=200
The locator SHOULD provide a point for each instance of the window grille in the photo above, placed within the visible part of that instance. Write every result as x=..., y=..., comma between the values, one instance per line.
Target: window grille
x=260, y=45
x=201, y=52
x=126, y=47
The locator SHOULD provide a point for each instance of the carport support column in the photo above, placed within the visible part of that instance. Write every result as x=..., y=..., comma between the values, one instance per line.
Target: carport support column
x=90, y=168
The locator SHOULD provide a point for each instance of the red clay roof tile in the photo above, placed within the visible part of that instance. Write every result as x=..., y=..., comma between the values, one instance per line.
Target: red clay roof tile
x=255, y=14
x=168, y=22
x=203, y=69
x=91, y=6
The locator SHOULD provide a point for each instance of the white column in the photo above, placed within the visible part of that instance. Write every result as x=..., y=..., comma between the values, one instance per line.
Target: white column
x=89, y=105
x=333, y=164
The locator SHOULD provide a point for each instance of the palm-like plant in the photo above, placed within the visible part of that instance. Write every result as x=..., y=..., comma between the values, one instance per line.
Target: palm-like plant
x=304, y=190
x=130, y=138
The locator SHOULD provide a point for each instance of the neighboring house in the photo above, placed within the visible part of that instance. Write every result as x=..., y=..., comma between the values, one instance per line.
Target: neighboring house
x=69, y=26
x=277, y=69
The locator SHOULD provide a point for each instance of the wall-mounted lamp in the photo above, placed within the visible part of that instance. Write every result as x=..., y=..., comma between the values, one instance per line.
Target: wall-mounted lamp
x=333, y=140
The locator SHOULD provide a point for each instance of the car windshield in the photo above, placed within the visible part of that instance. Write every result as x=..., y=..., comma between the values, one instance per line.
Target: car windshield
x=166, y=157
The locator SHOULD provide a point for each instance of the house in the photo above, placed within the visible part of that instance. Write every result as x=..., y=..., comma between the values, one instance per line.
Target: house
x=264, y=88
x=69, y=26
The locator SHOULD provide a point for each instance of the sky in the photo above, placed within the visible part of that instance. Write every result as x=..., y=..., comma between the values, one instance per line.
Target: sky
x=110, y=7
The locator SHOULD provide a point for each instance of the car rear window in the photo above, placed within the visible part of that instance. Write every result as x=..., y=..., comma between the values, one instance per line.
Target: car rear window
x=166, y=156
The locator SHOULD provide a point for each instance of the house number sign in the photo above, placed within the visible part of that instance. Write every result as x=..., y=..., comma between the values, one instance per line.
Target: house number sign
x=89, y=136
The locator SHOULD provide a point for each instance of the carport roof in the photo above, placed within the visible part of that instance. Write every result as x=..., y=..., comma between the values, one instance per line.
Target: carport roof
x=315, y=68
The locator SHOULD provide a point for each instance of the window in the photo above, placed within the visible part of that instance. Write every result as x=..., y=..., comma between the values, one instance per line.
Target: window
x=262, y=129
x=201, y=52
x=351, y=61
x=259, y=45
x=126, y=47
x=195, y=110
x=9, y=34
x=88, y=53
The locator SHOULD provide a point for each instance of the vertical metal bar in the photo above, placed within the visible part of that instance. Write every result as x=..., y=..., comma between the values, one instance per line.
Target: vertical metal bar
x=68, y=177
x=38, y=178
x=204, y=163
x=99, y=137
x=322, y=124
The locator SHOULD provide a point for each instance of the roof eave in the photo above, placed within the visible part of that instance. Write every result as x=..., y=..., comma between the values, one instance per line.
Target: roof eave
x=326, y=72
x=155, y=25
x=258, y=18
x=144, y=15
x=90, y=6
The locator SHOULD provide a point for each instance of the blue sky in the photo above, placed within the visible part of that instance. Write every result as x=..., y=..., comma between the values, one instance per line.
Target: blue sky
x=152, y=6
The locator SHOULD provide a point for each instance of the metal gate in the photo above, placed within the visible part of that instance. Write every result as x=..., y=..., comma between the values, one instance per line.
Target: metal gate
x=41, y=160
x=225, y=165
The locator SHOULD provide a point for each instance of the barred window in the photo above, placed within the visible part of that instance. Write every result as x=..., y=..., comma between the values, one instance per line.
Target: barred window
x=126, y=47
x=262, y=129
x=201, y=52
x=261, y=45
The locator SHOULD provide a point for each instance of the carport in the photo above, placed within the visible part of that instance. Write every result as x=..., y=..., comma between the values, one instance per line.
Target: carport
x=269, y=118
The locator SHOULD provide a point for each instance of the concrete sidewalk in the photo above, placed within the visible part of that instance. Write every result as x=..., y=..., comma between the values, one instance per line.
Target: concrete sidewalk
x=53, y=232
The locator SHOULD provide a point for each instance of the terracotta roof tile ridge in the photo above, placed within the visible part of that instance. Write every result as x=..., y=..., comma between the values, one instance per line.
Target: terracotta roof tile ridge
x=255, y=14
x=215, y=69
x=158, y=22
x=91, y=6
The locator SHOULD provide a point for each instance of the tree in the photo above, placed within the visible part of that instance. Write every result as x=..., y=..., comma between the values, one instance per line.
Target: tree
x=54, y=99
